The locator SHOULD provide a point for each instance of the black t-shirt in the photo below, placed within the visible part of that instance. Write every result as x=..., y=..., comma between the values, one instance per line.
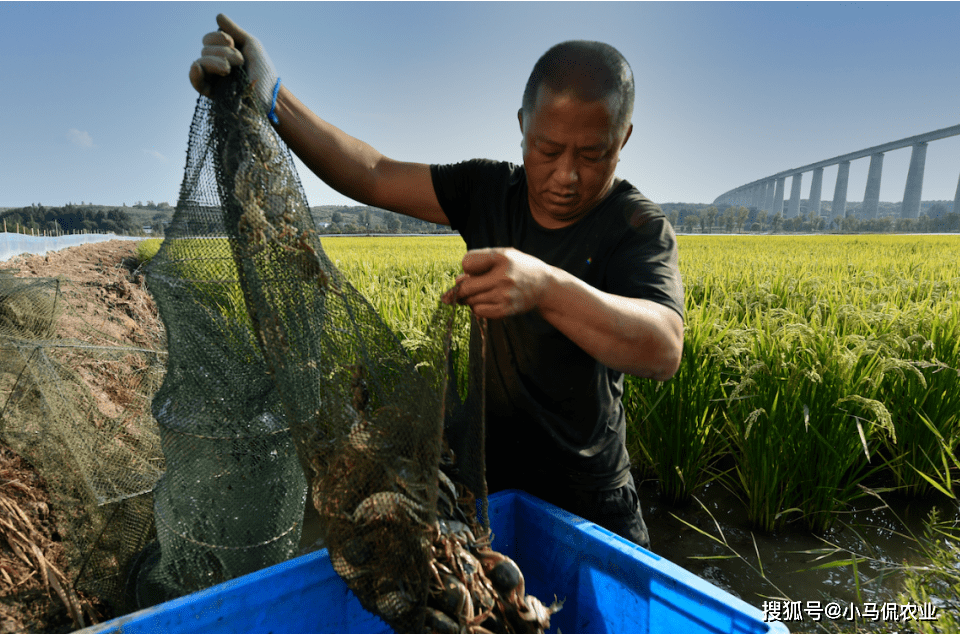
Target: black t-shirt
x=553, y=410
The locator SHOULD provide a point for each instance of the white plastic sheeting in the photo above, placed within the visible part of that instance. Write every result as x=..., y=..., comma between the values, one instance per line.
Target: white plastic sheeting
x=12, y=244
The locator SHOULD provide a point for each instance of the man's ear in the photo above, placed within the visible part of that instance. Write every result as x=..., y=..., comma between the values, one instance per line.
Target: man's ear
x=627, y=136
x=520, y=119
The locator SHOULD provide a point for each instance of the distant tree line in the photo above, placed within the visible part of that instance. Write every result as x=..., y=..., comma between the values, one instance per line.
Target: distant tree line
x=151, y=205
x=364, y=219
x=69, y=219
x=702, y=218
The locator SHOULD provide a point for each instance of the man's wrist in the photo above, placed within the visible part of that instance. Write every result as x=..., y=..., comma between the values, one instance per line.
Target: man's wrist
x=552, y=286
x=271, y=113
x=281, y=107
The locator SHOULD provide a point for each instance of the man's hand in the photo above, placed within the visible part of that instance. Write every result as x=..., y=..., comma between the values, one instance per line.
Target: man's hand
x=232, y=46
x=500, y=282
x=636, y=336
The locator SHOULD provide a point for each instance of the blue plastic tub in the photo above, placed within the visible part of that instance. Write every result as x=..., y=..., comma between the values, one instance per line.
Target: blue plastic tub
x=610, y=586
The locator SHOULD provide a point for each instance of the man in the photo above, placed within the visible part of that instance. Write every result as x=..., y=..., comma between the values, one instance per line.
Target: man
x=575, y=270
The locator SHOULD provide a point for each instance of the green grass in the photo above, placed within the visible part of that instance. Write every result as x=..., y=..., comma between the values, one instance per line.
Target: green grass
x=146, y=249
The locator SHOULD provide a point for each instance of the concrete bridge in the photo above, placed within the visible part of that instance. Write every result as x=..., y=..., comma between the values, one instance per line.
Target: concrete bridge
x=768, y=193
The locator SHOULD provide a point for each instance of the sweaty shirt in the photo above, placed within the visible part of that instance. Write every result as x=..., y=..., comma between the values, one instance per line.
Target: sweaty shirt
x=553, y=411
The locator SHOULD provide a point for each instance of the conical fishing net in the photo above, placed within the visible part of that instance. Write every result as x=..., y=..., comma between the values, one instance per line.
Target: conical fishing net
x=281, y=373
x=74, y=402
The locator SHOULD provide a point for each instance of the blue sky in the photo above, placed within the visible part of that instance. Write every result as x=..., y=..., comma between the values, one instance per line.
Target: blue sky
x=97, y=103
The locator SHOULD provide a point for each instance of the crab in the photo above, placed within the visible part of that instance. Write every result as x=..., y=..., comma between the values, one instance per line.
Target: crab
x=409, y=547
x=474, y=589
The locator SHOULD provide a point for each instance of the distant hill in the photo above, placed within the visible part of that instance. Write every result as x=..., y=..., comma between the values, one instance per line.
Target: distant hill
x=935, y=216
x=71, y=219
x=365, y=219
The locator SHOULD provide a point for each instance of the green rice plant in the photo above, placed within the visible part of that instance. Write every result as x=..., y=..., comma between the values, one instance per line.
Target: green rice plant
x=796, y=350
x=670, y=425
x=868, y=321
x=404, y=278
x=926, y=416
x=924, y=397
x=937, y=582
x=146, y=249
x=802, y=420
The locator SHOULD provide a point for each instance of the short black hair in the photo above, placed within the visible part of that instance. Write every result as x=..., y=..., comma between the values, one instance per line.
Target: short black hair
x=592, y=70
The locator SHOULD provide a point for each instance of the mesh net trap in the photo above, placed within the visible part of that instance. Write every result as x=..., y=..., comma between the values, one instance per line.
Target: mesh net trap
x=282, y=382
x=75, y=403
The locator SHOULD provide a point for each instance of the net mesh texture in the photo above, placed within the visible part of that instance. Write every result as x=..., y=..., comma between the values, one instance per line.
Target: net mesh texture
x=281, y=383
x=100, y=457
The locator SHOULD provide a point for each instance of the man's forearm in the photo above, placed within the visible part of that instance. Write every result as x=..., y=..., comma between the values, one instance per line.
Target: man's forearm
x=635, y=336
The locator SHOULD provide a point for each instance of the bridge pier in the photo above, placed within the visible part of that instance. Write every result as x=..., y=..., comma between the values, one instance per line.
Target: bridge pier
x=956, y=200
x=758, y=192
x=778, y=198
x=768, y=197
x=914, y=187
x=840, y=191
x=816, y=186
x=871, y=196
x=793, y=210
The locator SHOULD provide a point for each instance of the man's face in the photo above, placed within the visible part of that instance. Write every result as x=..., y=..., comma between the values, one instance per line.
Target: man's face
x=570, y=152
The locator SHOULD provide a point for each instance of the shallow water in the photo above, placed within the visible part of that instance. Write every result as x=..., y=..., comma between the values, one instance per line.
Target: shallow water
x=780, y=566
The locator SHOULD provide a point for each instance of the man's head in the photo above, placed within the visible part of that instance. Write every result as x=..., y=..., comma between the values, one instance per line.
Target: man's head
x=591, y=71
x=575, y=118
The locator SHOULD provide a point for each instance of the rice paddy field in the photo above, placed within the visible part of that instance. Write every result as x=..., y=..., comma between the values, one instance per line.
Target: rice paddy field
x=819, y=373
x=812, y=364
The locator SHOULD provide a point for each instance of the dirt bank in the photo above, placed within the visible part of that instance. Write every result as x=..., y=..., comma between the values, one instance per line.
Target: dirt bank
x=105, y=302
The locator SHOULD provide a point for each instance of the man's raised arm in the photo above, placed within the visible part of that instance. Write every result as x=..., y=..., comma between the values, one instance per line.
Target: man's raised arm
x=354, y=168
x=348, y=165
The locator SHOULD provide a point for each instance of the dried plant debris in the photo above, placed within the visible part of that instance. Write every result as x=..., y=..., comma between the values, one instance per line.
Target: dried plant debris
x=32, y=557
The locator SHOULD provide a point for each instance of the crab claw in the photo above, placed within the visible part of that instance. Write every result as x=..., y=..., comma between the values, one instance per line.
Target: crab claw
x=535, y=611
x=452, y=596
